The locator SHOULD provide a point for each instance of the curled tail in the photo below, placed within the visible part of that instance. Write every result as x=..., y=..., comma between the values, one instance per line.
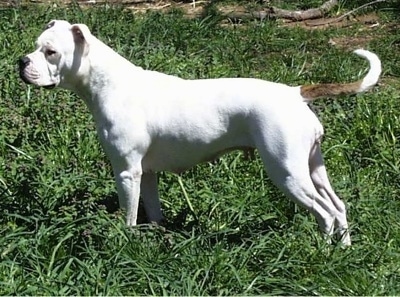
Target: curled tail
x=311, y=92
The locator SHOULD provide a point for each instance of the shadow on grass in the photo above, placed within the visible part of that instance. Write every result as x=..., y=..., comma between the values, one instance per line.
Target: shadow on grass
x=81, y=207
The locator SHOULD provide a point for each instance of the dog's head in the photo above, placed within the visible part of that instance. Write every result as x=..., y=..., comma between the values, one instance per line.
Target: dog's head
x=59, y=55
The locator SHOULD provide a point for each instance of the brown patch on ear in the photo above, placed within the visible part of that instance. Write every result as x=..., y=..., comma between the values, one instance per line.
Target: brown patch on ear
x=311, y=92
x=77, y=33
x=81, y=35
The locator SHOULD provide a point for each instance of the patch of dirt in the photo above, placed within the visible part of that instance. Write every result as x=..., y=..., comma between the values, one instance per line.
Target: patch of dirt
x=191, y=9
x=351, y=42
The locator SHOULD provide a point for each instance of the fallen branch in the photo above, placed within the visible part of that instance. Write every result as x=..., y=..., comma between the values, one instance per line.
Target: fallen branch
x=297, y=15
x=278, y=13
x=301, y=15
x=338, y=19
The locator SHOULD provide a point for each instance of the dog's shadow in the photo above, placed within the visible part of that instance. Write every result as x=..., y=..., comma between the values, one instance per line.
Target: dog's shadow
x=183, y=223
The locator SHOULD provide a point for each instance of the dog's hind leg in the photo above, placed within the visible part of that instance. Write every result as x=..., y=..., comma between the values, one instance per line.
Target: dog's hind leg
x=289, y=171
x=150, y=196
x=321, y=182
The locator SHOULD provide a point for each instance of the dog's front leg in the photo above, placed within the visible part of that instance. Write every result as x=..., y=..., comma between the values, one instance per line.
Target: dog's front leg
x=128, y=187
x=150, y=196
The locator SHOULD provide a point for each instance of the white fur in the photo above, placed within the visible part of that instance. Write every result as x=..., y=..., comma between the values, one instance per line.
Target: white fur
x=149, y=121
x=375, y=69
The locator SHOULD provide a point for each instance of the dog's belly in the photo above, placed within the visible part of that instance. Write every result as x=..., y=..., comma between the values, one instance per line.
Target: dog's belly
x=180, y=155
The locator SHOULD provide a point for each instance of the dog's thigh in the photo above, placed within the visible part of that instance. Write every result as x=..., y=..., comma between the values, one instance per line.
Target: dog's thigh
x=288, y=169
x=150, y=196
x=295, y=181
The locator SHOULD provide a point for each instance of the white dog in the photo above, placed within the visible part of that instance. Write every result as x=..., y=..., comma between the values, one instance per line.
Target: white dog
x=149, y=121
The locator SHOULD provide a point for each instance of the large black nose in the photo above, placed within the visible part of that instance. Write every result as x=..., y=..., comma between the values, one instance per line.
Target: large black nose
x=23, y=62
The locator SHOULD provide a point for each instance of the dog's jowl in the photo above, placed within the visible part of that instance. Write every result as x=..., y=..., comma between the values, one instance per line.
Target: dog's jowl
x=149, y=121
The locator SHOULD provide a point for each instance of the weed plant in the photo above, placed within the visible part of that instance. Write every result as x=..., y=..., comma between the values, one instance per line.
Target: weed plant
x=228, y=230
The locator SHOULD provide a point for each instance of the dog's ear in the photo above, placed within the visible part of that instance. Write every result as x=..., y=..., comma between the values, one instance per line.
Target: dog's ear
x=81, y=33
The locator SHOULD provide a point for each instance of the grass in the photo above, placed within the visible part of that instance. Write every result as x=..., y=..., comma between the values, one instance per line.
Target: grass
x=61, y=230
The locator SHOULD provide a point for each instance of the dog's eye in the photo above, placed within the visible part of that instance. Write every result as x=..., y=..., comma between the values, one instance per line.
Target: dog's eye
x=50, y=52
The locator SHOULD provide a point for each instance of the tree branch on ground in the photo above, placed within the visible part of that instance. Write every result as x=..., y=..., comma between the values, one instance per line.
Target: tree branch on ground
x=301, y=15
x=338, y=19
x=297, y=15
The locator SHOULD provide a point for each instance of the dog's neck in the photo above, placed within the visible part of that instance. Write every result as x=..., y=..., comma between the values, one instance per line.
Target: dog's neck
x=104, y=67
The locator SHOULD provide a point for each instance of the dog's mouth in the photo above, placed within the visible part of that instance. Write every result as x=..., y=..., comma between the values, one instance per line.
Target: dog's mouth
x=49, y=87
x=27, y=81
x=23, y=77
x=31, y=75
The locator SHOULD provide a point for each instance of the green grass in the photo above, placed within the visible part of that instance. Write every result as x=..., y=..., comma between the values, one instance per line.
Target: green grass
x=61, y=232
